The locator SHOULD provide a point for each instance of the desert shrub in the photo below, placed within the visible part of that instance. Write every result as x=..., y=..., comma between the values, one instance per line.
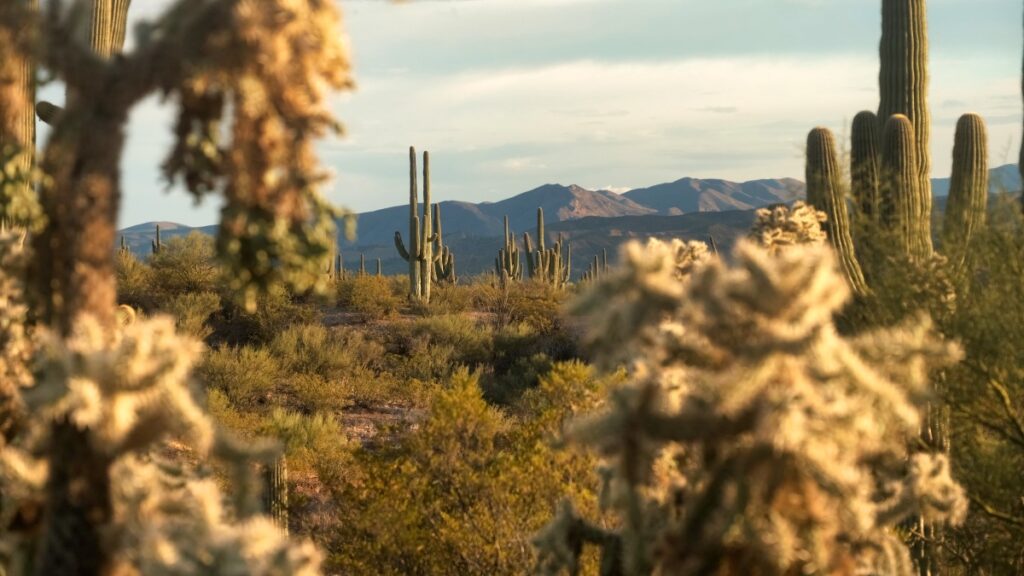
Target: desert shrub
x=534, y=303
x=370, y=296
x=448, y=299
x=191, y=312
x=463, y=492
x=249, y=377
x=134, y=281
x=306, y=437
x=185, y=264
x=275, y=312
x=984, y=396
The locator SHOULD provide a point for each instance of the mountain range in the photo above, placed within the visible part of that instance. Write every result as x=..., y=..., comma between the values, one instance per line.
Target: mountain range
x=593, y=220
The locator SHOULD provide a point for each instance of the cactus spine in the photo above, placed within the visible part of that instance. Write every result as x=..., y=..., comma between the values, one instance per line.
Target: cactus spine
x=508, y=265
x=864, y=160
x=825, y=192
x=547, y=264
x=903, y=86
x=968, y=190
x=275, y=498
x=899, y=185
x=419, y=255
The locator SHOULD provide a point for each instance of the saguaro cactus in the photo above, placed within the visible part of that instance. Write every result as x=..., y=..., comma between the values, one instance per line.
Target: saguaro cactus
x=825, y=192
x=444, y=259
x=380, y=269
x=420, y=253
x=508, y=265
x=275, y=499
x=968, y=190
x=864, y=160
x=899, y=185
x=903, y=87
x=546, y=264
x=156, y=245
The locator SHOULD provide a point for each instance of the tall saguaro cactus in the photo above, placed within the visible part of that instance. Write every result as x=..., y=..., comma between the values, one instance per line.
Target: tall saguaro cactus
x=903, y=87
x=899, y=186
x=548, y=265
x=508, y=265
x=420, y=253
x=968, y=189
x=864, y=160
x=825, y=192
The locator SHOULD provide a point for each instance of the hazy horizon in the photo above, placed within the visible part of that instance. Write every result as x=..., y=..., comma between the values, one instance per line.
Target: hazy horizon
x=511, y=94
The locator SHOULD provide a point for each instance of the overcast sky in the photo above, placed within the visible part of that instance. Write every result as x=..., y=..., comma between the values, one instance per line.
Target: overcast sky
x=511, y=94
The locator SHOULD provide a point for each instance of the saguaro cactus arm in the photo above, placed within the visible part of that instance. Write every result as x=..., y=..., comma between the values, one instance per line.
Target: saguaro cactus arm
x=968, y=190
x=825, y=192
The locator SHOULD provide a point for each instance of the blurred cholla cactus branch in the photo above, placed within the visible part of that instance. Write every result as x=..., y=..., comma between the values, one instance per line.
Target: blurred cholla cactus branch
x=754, y=438
x=646, y=287
x=125, y=392
x=778, y=227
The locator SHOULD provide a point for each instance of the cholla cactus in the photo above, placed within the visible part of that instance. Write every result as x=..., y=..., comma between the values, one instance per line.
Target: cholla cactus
x=780, y=227
x=126, y=391
x=753, y=437
x=15, y=345
x=647, y=286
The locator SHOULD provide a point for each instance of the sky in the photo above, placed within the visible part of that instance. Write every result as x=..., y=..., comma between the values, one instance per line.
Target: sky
x=508, y=95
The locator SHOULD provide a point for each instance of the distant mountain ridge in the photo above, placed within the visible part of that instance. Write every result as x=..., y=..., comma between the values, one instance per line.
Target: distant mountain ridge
x=592, y=219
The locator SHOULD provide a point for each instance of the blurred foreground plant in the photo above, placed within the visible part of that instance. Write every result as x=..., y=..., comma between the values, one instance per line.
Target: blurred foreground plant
x=753, y=438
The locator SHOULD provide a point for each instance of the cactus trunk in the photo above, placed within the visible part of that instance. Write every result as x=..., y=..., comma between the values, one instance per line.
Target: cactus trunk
x=903, y=86
x=825, y=192
x=426, y=240
x=968, y=191
x=864, y=160
x=899, y=185
x=275, y=499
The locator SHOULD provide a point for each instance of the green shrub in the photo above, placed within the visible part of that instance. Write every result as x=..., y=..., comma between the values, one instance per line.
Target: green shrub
x=185, y=264
x=192, y=310
x=249, y=377
x=370, y=296
x=464, y=492
x=275, y=313
x=134, y=281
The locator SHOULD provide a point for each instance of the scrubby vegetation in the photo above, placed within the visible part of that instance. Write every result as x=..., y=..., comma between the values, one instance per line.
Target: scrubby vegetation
x=840, y=395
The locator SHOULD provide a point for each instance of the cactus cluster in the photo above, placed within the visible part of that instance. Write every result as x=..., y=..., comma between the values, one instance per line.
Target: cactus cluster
x=548, y=265
x=890, y=159
x=508, y=265
x=430, y=260
x=751, y=439
x=444, y=259
x=598, y=267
